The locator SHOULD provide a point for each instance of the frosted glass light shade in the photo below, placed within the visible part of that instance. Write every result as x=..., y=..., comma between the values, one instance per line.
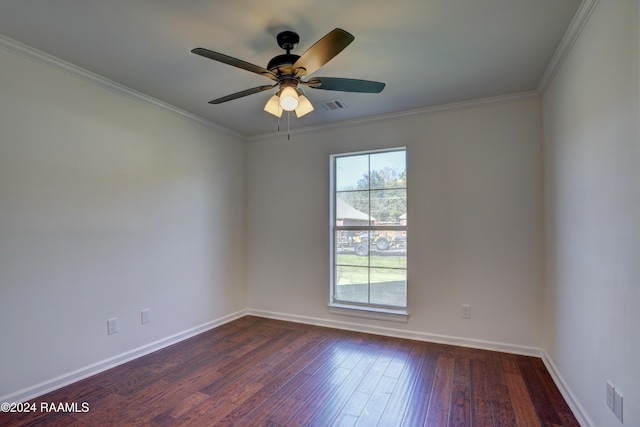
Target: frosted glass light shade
x=273, y=106
x=304, y=106
x=289, y=99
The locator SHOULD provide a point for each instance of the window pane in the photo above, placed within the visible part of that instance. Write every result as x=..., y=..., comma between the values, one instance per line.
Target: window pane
x=351, y=249
x=395, y=254
x=388, y=206
x=352, y=208
x=352, y=172
x=388, y=170
x=389, y=287
x=352, y=284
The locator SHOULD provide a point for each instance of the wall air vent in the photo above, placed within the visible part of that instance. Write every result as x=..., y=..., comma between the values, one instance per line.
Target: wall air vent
x=332, y=105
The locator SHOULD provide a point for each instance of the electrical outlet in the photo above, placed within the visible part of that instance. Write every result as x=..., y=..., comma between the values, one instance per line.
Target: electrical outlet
x=112, y=326
x=144, y=316
x=617, y=404
x=610, y=389
x=466, y=311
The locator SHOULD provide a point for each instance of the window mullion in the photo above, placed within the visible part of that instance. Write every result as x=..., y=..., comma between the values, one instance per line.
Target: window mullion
x=369, y=232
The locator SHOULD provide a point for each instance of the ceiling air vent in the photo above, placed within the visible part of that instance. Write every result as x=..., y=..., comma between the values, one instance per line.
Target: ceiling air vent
x=332, y=105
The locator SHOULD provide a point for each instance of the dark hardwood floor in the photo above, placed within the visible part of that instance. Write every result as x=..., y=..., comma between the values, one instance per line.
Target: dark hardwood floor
x=261, y=372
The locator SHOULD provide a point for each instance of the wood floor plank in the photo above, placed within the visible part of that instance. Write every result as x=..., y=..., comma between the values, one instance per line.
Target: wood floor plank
x=314, y=404
x=259, y=408
x=523, y=408
x=159, y=395
x=356, y=403
x=162, y=420
x=263, y=372
x=439, y=404
x=502, y=409
x=195, y=380
x=37, y=418
x=375, y=407
x=331, y=358
x=338, y=400
x=334, y=354
x=113, y=409
x=539, y=395
x=298, y=359
x=370, y=382
x=418, y=402
x=460, y=411
x=244, y=360
x=495, y=368
x=240, y=365
x=412, y=357
x=344, y=420
x=60, y=419
x=480, y=397
x=185, y=405
x=285, y=411
x=551, y=390
x=207, y=412
x=280, y=382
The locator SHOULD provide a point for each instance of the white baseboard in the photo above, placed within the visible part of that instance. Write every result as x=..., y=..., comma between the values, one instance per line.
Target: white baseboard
x=571, y=399
x=399, y=333
x=82, y=373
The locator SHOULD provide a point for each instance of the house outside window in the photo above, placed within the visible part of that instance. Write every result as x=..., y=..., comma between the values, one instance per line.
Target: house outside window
x=369, y=231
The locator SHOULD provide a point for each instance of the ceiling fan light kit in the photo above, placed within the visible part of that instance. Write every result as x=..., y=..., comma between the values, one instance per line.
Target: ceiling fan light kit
x=288, y=71
x=276, y=106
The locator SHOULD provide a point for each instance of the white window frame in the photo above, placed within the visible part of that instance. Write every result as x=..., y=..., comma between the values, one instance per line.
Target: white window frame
x=362, y=310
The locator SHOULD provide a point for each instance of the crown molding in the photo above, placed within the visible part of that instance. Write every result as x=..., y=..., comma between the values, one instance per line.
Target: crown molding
x=463, y=105
x=98, y=80
x=578, y=22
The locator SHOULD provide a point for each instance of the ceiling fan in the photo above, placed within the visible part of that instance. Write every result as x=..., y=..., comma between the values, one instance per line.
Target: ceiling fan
x=289, y=71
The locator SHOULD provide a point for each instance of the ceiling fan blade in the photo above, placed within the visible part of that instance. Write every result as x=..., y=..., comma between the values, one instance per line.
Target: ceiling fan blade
x=344, y=85
x=322, y=52
x=234, y=62
x=241, y=94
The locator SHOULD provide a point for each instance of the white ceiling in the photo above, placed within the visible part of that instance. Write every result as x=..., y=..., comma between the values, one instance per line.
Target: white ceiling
x=428, y=52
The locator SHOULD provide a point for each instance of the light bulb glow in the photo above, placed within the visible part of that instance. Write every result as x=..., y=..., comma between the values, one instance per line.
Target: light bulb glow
x=289, y=98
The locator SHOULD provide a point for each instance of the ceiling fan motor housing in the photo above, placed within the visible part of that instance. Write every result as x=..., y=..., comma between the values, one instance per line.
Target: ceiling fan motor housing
x=288, y=40
x=281, y=64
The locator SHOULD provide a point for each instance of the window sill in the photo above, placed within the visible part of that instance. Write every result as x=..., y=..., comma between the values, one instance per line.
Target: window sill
x=400, y=316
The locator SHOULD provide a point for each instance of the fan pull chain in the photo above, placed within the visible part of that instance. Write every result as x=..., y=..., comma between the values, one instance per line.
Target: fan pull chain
x=288, y=125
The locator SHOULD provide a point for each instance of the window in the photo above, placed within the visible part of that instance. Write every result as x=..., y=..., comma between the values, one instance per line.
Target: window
x=369, y=231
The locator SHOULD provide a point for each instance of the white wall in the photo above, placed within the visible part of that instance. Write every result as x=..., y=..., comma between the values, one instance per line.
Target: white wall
x=107, y=206
x=475, y=221
x=591, y=121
